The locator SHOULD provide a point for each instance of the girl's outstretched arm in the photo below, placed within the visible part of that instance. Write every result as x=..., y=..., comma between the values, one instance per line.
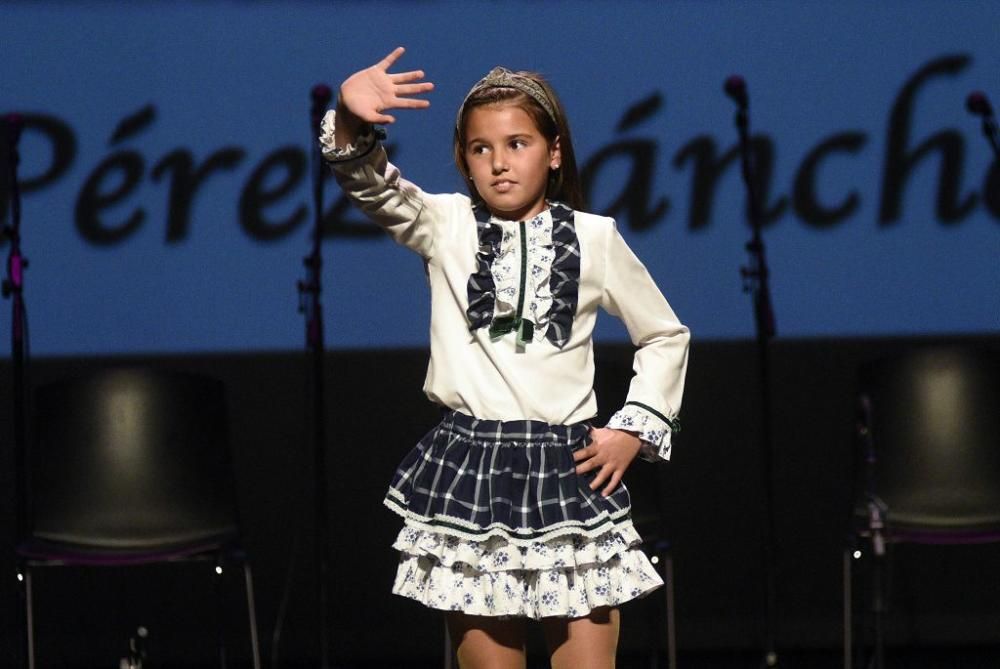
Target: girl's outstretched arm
x=359, y=161
x=365, y=96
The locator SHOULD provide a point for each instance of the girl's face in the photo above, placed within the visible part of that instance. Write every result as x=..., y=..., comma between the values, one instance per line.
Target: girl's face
x=509, y=160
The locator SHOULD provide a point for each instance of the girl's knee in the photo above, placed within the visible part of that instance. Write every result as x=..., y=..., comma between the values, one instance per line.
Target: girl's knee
x=590, y=642
x=487, y=643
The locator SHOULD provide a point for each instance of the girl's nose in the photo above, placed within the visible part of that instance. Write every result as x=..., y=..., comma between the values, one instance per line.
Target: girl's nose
x=499, y=162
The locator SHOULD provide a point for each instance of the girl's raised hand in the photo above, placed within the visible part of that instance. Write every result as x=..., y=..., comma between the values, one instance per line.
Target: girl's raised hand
x=369, y=93
x=611, y=452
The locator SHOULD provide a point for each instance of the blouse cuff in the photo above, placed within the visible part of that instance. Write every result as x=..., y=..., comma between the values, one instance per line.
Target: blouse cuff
x=650, y=427
x=365, y=140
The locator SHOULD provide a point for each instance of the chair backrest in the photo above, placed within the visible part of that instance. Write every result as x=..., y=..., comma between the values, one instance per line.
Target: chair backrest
x=935, y=414
x=132, y=461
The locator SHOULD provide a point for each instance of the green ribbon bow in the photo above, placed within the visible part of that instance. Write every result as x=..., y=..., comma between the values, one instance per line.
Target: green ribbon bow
x=525, y=329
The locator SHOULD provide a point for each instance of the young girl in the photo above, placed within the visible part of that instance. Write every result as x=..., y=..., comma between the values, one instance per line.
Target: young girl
x=513, y=505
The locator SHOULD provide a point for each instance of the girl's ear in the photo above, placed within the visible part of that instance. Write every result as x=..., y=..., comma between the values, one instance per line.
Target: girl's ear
x=555, y=155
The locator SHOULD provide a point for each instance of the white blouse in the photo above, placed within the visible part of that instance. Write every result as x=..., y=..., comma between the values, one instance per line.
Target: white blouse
x=524, y=350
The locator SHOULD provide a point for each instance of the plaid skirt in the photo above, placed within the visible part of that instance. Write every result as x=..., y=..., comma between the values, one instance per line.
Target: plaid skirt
x=498, y=523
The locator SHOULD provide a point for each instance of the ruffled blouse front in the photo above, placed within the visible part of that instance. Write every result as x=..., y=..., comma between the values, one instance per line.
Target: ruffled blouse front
x=527, y=276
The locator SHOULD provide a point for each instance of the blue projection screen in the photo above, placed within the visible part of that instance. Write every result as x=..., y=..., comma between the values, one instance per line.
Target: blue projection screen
x=165, y=164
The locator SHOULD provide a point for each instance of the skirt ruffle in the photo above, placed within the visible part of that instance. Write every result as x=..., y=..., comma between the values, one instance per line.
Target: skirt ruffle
x=498, y=554
x=498, y=523
x=524, y=593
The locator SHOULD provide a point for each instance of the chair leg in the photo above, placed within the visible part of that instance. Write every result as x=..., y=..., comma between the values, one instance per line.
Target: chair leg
x=848, y=610
x=878, y=602
x=29, y=612
x=668, y=578
x=220, y=615
x=252, y=613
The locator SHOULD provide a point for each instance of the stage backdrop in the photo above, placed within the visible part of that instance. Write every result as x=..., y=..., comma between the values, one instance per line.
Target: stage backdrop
x=166, y=163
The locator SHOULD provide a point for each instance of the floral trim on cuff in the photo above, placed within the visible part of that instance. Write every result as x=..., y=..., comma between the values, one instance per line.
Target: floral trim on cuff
x=366, y=140
x=652, y=427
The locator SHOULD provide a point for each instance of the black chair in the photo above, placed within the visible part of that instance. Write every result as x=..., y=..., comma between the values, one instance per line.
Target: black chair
x=131, y=467
x=928, y=462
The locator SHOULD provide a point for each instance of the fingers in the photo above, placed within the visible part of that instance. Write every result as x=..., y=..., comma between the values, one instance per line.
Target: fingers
x=406, y=103
x=616, y=478
x=404, y=77
x=409, y=102
x=402, y=89
x=608, y=471
x=414, y=89
x=379, y=116
x=600, y=478
x=387, y=62
x=588, y=462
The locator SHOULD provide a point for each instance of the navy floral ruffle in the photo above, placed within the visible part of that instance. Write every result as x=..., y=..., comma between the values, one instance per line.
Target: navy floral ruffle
x=481, y=289
x=564, y=276
x=565, y=280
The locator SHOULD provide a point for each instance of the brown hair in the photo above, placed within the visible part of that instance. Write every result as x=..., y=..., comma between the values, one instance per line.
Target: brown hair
x=564, y=182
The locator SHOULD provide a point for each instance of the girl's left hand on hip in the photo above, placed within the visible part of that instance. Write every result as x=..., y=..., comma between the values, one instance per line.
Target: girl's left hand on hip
x=611, y=452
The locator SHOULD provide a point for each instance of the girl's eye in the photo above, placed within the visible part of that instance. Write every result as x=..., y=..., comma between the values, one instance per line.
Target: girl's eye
x=518, y=144
x=480, y=149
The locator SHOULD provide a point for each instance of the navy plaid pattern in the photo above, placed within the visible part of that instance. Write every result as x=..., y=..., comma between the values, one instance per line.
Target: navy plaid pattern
x=475, y=479
x=564, y=281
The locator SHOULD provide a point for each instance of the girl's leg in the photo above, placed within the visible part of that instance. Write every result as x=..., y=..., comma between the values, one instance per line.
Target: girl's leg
x=583, y=643
x=482, y=642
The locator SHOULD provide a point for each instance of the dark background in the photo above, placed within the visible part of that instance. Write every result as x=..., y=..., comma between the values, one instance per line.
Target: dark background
x=708, y=500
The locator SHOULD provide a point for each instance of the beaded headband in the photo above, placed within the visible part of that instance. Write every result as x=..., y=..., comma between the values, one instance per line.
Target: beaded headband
x=501, y=77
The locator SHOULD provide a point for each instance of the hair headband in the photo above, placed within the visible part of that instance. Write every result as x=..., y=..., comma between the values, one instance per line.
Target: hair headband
x=501, y=77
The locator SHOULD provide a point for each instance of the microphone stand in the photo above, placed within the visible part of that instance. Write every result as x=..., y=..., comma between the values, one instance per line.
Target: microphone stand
x=310, y=305
x=755, y=282
x=875, y=512
x=13, y=288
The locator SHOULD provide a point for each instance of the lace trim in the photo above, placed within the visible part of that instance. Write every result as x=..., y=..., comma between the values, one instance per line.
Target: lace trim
x=498, y=554
x=328, y=143
x=520, y=536
x=506, y=271
x=654, y=432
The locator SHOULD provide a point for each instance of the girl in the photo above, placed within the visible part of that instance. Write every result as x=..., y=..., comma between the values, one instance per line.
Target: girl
x=513, y=505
